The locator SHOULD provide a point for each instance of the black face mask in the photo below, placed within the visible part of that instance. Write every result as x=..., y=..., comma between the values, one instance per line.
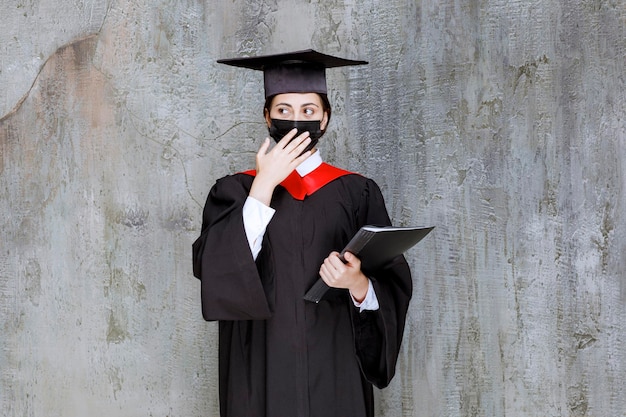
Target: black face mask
x=279, y=128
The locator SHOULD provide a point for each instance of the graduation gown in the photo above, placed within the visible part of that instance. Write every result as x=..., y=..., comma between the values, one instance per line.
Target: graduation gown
x=279, y=355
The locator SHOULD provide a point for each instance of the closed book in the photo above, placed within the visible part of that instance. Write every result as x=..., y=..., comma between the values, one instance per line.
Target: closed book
x=374, y=246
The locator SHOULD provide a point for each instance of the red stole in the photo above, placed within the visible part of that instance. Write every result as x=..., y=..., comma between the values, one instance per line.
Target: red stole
x=299, y=187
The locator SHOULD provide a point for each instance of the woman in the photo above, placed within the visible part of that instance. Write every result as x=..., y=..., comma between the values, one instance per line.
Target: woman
x=267, y=237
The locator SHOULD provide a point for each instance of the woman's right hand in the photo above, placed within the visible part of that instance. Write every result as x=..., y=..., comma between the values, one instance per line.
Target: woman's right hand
x=274, y=166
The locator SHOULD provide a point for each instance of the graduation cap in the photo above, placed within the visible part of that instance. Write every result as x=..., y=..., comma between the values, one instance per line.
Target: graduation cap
x=293, y=72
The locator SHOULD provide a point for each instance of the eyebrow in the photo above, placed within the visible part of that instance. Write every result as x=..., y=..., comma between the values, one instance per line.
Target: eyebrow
x=289, y=105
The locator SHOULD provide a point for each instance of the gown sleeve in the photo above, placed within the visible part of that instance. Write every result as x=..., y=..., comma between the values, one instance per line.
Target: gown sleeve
x=378, y=334
x=231, y=285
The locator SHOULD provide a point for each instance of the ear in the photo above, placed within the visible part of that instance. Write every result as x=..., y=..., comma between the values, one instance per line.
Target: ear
x=268, y=120
x=324, y=121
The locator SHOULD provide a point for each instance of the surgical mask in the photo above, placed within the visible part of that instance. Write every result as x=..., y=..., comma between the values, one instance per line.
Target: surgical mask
x=279, y=128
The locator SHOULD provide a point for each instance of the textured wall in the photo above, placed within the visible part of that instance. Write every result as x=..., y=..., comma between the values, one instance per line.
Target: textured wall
x=500, y=122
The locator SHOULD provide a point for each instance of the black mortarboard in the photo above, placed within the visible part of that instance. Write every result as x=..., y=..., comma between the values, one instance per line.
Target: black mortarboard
x=293, y=72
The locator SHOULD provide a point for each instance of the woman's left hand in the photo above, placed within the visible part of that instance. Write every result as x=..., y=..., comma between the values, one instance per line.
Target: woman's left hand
x=347, y=275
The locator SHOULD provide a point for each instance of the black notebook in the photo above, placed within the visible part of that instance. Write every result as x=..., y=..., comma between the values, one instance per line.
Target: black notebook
x=374, y=246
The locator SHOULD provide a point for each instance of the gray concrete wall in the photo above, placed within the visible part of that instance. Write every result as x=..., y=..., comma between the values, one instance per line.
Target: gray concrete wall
x=502, y=123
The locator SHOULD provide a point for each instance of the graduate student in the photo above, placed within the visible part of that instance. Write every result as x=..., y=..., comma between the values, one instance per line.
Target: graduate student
x=268, y=235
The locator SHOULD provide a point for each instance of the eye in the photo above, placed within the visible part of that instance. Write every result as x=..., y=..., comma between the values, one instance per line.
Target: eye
x=309, y=111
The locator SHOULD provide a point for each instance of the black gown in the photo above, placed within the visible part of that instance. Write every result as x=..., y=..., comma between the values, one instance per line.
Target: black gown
x=279, y=355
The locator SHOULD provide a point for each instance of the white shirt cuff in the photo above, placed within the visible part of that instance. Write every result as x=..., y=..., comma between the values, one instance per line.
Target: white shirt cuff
x=256, y=217
x=370, y=302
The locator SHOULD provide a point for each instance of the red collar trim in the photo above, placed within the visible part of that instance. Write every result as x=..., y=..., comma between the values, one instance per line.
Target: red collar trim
x=299, y=187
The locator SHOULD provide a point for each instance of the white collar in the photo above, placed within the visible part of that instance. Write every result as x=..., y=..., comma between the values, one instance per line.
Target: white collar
x=310, y=164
